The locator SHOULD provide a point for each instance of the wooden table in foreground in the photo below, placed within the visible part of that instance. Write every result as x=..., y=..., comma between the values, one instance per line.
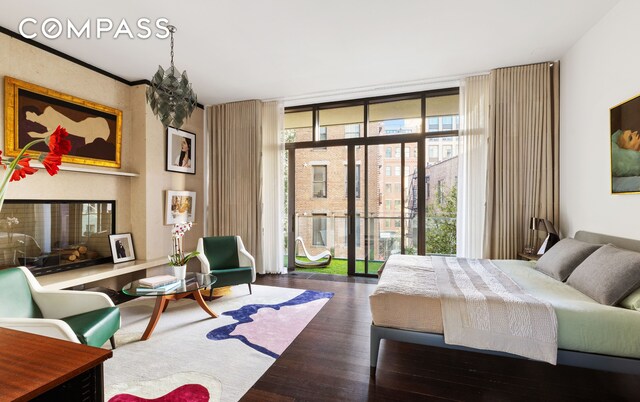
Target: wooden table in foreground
x=34, y=367
x=188, y=287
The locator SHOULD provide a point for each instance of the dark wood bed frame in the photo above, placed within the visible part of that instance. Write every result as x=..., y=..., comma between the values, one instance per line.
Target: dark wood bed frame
x=565, y=357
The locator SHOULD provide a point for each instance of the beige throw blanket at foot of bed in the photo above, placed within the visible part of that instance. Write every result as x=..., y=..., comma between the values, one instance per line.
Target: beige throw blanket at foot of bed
x=483, y=308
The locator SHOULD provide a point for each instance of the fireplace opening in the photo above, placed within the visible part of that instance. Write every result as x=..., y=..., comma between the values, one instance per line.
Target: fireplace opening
x=52, y=236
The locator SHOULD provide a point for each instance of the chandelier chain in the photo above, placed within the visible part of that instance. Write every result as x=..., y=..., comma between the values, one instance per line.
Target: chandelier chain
x=172, y=48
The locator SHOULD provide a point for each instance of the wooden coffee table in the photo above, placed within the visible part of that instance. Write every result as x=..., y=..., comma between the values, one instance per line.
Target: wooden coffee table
x=190, y=286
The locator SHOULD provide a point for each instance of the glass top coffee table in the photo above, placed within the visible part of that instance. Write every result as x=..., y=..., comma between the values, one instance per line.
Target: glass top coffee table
x=189, y=286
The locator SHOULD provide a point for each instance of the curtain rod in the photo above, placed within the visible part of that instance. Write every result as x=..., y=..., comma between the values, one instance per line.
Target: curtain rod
x=386, y=88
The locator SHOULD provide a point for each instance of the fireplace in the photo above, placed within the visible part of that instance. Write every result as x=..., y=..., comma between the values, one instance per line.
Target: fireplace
x=53, y=236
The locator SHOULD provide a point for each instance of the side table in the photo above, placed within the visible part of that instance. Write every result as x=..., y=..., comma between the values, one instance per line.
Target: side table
x=38, y=368
x=528, y=257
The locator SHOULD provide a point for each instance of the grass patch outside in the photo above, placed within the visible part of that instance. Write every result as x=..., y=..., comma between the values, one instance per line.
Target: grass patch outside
x=338, y=266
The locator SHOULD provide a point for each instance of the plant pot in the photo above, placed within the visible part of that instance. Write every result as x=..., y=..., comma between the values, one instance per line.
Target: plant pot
x=180, y=271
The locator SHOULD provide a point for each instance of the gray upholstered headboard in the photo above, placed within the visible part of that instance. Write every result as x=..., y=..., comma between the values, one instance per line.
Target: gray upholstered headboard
x=598, y=238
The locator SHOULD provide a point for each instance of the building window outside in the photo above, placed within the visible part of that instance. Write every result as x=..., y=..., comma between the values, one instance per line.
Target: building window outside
x=433, y=153
x=397, y=152
x=320, y=182
x=387, y=205
x=346, y=181
x=407, y=152
x=397, y=170
x=433, y=124
x=387, y=188
x=320, y=230
x=447, y=150
x=322, y=134
x=352, y=131
x=447, y=123
x=387, y=170
x=397, y=188
x=396, y=205
x=387, y=152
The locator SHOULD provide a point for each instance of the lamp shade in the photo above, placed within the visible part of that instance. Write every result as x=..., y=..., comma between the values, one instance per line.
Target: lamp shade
x=537, y=224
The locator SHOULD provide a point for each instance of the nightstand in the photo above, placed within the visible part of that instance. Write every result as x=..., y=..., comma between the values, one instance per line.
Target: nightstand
x=528, y=257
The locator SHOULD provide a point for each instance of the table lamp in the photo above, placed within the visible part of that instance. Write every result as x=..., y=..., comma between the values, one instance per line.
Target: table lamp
x=535, y=224
x=551, y=239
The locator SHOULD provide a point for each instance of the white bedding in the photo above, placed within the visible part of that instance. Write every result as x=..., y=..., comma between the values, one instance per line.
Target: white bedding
x=407, y=298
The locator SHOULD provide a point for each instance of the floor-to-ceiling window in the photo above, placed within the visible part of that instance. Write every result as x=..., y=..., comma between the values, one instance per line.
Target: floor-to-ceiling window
x=372, y=177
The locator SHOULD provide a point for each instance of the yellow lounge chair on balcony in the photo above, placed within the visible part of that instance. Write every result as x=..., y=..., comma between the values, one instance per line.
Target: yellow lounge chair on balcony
x=321, y=260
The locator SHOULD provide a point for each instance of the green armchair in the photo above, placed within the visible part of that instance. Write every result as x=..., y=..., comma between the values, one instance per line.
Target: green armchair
x=77, y=316
x=227, y=259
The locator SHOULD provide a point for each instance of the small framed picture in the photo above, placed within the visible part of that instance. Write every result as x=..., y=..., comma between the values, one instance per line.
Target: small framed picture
x=121, y=247
x=180, y=206
x=181, y=151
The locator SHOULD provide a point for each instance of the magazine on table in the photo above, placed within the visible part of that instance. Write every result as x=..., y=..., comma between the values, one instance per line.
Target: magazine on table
x=155, y=281
x=163, y=288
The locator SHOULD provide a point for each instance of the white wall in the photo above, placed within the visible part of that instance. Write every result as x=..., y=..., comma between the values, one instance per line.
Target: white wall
x=601, y=70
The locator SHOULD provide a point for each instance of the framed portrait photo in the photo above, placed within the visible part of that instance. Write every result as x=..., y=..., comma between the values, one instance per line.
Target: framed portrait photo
x=625, y=147
x=180, y=207
x=181, y=151
x=122, y=247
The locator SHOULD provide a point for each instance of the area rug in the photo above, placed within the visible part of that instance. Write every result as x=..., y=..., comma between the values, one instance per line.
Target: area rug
x=220, y=359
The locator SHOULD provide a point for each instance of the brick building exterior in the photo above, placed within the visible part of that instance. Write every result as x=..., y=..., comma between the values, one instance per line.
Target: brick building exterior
x=321, y=187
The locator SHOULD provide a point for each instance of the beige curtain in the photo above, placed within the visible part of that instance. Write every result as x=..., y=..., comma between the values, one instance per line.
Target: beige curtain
x=272, y=189
x=522, y=168
x=235, y=191
x=472, y=165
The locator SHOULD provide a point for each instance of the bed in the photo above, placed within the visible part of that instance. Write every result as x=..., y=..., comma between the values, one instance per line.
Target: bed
x=406, y=307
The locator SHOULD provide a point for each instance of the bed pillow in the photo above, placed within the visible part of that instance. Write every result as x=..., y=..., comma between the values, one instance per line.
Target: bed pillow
x=608, y=275
x=632, y=301
x=561, y=259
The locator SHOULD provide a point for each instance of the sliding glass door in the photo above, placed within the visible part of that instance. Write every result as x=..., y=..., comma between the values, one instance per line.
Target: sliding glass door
x=371, y=178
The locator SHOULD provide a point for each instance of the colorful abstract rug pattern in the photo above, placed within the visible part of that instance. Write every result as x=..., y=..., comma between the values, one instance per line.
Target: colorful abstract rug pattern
x=260, y=325
x=191, y=356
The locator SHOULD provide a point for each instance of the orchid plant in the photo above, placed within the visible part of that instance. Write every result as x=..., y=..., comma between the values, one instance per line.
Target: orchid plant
x=18, y=168
x=178, y=258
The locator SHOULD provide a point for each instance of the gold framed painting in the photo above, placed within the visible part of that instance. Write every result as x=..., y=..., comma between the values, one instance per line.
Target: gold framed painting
x=33, y=112
x=625, y=146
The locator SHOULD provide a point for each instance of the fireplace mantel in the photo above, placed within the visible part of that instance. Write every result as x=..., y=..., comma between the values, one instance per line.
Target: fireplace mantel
x=81, y=276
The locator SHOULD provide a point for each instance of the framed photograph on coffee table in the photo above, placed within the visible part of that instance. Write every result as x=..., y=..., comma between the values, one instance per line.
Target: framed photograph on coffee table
x=122, y=247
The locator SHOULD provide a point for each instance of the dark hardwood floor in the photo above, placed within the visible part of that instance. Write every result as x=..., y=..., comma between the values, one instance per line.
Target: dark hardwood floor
x=329, y=361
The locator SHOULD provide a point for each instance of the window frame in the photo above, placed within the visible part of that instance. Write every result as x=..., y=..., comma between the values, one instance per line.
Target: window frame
x=314, y=181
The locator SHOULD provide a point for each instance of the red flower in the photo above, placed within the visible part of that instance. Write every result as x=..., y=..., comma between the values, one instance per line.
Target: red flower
x=51, y=163
x=22, y=170
x=58, y=144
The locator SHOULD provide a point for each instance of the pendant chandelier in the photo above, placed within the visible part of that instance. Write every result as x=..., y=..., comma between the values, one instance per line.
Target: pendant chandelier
x=170, y=95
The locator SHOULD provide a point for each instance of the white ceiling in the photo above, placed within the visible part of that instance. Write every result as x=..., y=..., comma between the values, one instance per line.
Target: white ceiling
x=298, y=49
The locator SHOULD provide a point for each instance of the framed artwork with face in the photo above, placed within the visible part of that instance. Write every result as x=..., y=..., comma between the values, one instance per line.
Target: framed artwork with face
x=181, y=151
x=625, y=147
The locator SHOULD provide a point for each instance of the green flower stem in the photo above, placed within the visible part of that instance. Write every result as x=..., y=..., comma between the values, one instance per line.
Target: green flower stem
x=12, y=166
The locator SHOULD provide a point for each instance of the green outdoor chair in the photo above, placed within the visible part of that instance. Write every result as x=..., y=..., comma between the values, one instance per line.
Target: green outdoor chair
x=77, y=316
x=227, y=259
